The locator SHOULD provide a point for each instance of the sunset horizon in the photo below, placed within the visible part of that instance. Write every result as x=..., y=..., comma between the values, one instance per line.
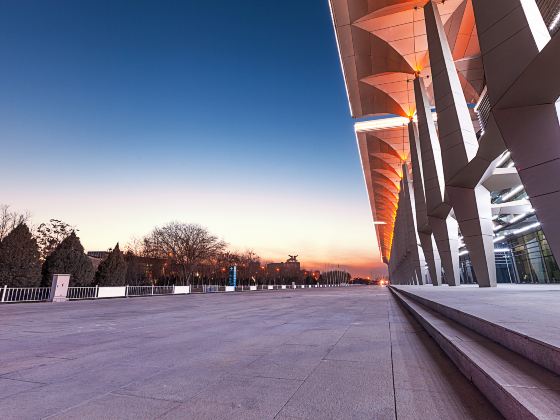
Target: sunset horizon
x=135, y=126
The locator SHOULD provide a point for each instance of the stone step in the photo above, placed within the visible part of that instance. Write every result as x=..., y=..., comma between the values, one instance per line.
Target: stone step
x=518, y=387
x=541, y=352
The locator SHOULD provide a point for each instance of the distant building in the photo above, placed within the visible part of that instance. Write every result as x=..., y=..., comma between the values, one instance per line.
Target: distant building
x=98, y=254
x=291, y=267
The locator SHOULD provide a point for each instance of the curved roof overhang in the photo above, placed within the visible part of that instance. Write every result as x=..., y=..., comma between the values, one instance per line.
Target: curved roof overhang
x=383, y=45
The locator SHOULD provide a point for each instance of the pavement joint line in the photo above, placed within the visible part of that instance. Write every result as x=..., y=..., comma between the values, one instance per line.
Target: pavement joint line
x=392, y=362
x=114, y=392
x=169, y=411
x=268, y=377
x=64, y=410
x=145, y=397
x=23, y=380
x=312, y=371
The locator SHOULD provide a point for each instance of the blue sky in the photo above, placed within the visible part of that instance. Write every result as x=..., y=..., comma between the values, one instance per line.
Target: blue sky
x=120, y=115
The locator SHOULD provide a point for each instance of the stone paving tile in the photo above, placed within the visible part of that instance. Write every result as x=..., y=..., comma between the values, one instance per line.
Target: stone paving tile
x=290, y=361
x=48, y=400
x=202, y=410
x=172, y=385
x=445, y=404
x=9, y=387
x=368, y=331
x=366, y=351
x=118, y=407
x=343, y=390
x=257, y=397
x=318, y=337
x=23, y=362
x=112, y=373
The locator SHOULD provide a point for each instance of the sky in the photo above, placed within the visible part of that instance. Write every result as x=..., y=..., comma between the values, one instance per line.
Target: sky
x=120, y=115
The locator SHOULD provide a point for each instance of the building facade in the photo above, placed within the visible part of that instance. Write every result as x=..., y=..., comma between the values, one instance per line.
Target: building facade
x=459, y=135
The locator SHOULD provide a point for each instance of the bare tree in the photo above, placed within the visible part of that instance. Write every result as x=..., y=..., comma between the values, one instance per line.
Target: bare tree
x=10, y=220
x=136, y=246
x=50, y=235
x=186, y=245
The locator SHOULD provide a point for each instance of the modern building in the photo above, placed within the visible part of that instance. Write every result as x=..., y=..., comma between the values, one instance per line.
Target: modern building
x=459, y=134
x=291, y=267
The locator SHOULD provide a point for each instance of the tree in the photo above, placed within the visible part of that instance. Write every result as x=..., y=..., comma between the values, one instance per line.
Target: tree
x=135, y=271
x=50, y=235
x=185, y=245
x=112, y=270
x=69, y=258
x=19, y=259
x=9, y=220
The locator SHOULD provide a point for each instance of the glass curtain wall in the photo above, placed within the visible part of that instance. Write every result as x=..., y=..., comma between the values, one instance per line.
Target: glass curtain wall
x=521, y=259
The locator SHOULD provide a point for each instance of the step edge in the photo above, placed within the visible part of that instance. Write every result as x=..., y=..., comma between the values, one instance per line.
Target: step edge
x=478, y=325
x=514, y=410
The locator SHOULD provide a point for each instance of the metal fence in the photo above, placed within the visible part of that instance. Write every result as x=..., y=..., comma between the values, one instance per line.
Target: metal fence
x=75, y=293
x=25, y=294
x=149, y=290
x=38, y=294
x=212, y=288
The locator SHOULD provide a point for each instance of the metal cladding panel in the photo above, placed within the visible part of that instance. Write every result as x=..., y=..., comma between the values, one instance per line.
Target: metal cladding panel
x=383, y=47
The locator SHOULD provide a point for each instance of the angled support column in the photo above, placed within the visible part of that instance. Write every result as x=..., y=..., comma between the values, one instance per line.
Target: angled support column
x=418, y=260
x=459, y=146
x=397, y=250
x=402, y=237
x=438, y=280
x=443, y=226
x=521, y=64
x=395, y=257
x=424, y=230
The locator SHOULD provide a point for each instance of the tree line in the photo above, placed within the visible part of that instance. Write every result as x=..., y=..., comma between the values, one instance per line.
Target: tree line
x=176, y=253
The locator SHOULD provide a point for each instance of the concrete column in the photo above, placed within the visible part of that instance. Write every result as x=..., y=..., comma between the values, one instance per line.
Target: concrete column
x=417, y=257
x=437, y=259
x=443, y=226
x=406, y=262
x=401, y=239
x=459, y=146
x=423, y=227
x=521, y=64
x=446, y=237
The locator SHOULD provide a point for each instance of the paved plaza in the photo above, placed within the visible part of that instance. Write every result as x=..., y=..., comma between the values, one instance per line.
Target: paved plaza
x=320, y=353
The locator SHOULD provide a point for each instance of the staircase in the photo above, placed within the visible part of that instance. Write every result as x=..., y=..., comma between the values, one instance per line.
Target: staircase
x=519, y=375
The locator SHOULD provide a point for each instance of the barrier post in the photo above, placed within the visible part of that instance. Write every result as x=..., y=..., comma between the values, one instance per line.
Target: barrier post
x=96, y=291
x=4, y=292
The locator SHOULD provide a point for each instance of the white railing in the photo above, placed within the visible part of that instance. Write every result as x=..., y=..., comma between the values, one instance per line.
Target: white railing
x=37, y=294
x=25, y=294
x=149, y=290
x=212, y=288
x=75, y=293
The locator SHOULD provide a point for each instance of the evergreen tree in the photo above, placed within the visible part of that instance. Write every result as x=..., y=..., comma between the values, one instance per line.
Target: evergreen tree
x=112, y=270
x=69, y=258
x=19, y=259
x=135, y=273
